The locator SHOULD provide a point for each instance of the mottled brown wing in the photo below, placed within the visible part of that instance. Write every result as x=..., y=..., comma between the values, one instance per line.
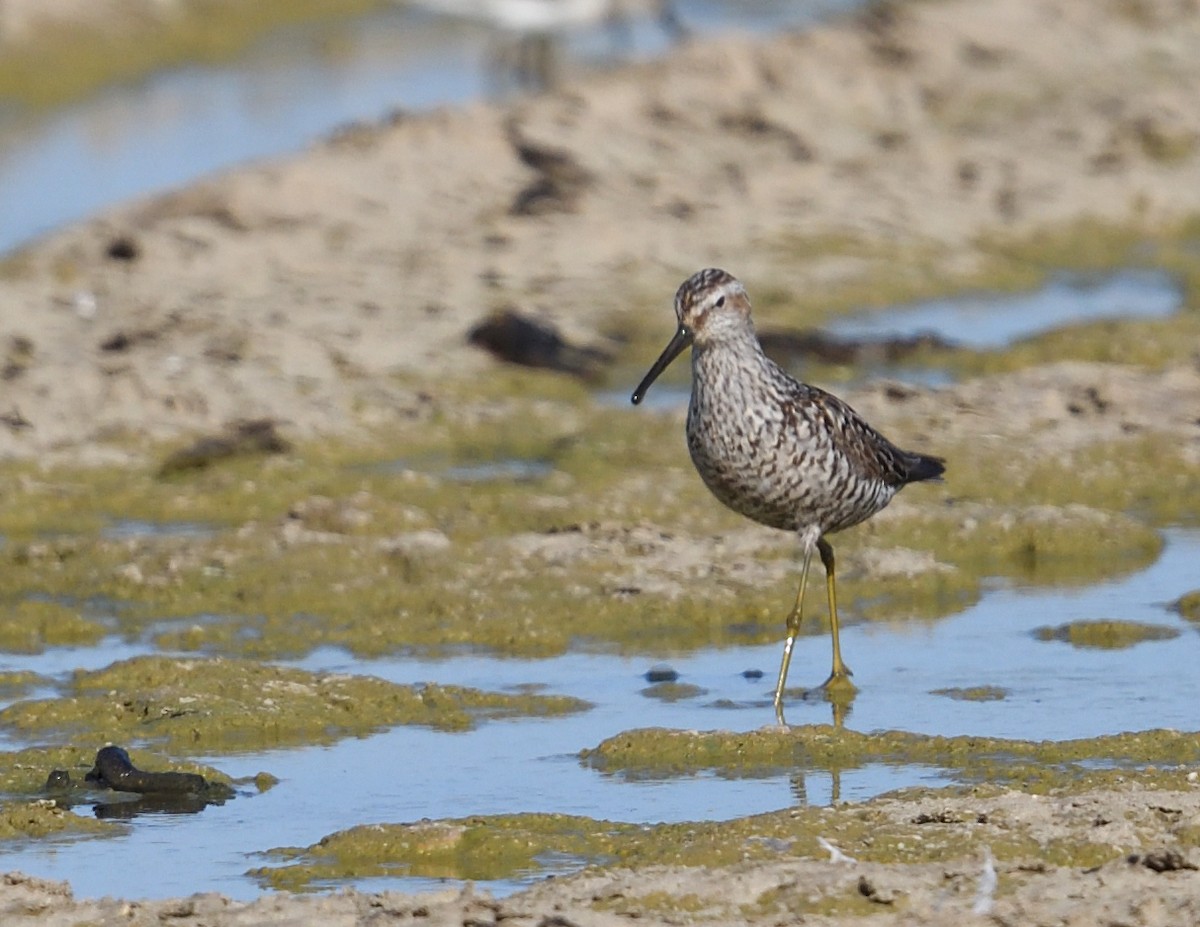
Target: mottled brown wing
x=868, y=452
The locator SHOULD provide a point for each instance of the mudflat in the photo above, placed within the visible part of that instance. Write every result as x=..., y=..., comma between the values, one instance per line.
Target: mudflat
x=910, y=150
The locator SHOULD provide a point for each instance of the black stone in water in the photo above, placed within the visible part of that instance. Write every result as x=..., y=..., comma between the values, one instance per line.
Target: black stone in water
x=115, y=770
x=661, y=672
x=752, y=674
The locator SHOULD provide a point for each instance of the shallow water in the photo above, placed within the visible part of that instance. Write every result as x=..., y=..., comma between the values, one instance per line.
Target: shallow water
x=177, y=125
x=511, y=469
x=987, y=321
x=1053, y=691
x=124, y=529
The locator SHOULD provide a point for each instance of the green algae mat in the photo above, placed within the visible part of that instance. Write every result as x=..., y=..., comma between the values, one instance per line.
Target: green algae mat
x=221, y=705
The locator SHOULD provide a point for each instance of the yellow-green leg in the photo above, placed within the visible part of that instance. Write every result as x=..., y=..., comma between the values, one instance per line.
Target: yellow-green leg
x=839, y=676
x=838, y=683
x=793, y=628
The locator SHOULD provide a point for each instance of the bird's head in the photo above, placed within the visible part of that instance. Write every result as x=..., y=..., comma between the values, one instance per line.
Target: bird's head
x=710, y=305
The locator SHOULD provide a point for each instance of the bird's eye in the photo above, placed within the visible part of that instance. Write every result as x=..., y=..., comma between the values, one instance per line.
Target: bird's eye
x=720, y=302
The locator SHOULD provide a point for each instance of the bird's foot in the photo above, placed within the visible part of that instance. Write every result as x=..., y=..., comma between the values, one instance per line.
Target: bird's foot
x=838, y=690
x=837, y=687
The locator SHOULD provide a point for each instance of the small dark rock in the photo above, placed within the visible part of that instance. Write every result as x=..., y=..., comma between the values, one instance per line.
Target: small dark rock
x=118, y=341
x=13, y=420
x=680, y=209
x=58, y=780
x=1162, y=861
x=944, y=816
x=242, y=438
x=17, y=357
x=519, y=339
x=122, y=340
x=114, y=770
x=874, y=893
x=123, y=248
x=661, y=672
x=1090, y=401
x=752, y=674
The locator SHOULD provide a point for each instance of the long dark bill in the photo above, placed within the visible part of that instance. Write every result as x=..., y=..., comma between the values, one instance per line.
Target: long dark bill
x=681, y=340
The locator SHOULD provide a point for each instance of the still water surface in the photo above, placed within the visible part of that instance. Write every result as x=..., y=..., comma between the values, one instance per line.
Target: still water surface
x=1054, y=691
x=987, y=321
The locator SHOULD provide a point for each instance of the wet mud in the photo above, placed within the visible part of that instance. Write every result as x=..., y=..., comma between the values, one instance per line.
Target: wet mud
x=346, y=523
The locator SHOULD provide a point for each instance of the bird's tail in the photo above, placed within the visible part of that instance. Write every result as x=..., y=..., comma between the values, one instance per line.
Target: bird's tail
x=923, y=467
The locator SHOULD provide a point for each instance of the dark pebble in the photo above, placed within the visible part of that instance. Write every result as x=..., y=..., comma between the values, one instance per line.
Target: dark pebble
x=661, y=672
